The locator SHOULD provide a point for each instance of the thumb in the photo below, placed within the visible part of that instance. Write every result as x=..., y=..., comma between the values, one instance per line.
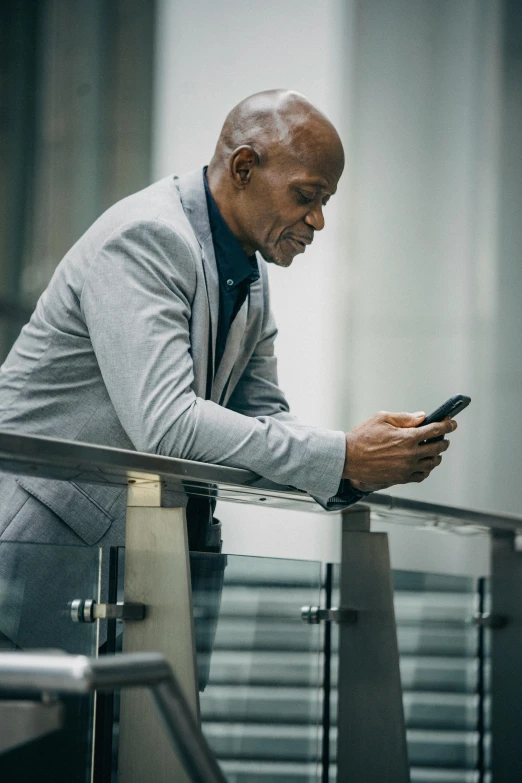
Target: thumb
x=406, y=419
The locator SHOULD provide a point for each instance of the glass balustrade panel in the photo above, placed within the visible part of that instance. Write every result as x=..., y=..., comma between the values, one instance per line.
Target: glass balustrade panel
x=260, y=668
x=442, y=661
x=38, y=582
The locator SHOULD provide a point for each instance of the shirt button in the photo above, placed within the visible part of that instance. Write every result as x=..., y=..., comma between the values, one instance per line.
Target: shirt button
x=230, y=282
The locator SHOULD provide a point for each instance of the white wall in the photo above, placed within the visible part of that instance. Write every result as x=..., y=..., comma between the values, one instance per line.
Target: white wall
x=210, y=56
x=395, y=306
x=422, y=230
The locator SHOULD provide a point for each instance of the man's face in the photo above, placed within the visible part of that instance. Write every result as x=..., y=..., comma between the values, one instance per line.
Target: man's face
x=283, y=204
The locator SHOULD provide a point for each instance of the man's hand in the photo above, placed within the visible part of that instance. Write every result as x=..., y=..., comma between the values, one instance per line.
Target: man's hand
x=389, y=449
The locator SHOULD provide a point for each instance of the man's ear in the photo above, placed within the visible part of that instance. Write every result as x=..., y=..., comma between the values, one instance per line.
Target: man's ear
x=242, y=162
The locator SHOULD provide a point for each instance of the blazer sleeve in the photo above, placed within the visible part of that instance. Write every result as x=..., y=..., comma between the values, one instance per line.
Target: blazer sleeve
x=258, y=393
x=136, y=301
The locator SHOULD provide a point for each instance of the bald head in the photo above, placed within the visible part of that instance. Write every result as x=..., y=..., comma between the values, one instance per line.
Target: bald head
x=277, y=162
x=275, y=123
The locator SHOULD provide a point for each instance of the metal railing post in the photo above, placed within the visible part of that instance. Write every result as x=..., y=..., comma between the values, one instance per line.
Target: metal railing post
x=506, y=644
x=157, y=574
x=371, y=745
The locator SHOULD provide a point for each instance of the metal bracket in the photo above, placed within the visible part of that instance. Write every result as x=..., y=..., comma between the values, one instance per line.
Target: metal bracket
x=488, y=620
x=86, y=610
x=313, y=615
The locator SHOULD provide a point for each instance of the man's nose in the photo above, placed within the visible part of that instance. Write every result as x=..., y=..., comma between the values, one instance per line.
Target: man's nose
x=315, y=218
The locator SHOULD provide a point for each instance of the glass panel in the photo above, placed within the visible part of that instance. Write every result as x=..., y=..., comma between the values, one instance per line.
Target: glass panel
x=37, y=584
x=441, y=670
x=260, y=667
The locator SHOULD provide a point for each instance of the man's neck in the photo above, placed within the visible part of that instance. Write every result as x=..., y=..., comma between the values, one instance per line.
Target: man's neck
x=224, y=200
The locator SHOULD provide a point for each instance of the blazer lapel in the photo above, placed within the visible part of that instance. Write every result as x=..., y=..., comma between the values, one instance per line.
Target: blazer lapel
x=194, y=201
x=231, y=352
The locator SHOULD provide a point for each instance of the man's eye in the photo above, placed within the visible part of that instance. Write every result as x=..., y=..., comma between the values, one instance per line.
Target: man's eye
x=305, y=198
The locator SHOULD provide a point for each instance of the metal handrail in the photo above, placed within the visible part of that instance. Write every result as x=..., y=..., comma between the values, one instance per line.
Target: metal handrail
x=66, y=460
x=40, y=672
x=435, y=514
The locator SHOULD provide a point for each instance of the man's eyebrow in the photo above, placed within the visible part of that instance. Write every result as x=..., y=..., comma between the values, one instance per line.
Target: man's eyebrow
x=318, y=184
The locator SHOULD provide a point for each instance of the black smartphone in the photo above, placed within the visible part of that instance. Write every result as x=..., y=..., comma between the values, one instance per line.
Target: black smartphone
x=449, y=408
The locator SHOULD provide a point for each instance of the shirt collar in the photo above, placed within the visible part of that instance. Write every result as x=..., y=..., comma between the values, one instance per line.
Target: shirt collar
x=234, y=266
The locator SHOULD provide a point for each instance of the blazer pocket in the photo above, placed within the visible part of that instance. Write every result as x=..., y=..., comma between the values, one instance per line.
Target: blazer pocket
x=89, y=520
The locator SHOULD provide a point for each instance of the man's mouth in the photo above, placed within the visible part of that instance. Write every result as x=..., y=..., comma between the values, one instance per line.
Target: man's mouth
x=299, y=242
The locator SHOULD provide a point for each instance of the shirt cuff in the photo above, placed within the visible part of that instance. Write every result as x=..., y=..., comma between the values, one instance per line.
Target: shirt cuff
x=346, y=496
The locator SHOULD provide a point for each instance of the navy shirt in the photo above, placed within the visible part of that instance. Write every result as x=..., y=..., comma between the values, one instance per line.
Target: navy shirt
x=236, y=272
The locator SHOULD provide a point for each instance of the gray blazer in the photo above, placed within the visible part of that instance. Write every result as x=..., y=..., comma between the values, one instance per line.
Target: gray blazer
x=118, y=352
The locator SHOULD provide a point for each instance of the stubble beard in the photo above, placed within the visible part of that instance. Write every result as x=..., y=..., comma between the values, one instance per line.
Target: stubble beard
x=278, y=259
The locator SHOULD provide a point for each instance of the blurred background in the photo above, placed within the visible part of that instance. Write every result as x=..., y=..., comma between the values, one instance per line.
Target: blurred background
x=413, y=291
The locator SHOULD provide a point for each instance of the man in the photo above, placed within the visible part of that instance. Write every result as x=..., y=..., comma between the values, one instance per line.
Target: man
x=155, y=333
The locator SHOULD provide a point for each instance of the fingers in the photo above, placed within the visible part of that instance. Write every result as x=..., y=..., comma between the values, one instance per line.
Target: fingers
x=419, y=476
x=432, y=449
x=437, y=430
x=428, y=463
x=403, y=419
x=424, y=468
